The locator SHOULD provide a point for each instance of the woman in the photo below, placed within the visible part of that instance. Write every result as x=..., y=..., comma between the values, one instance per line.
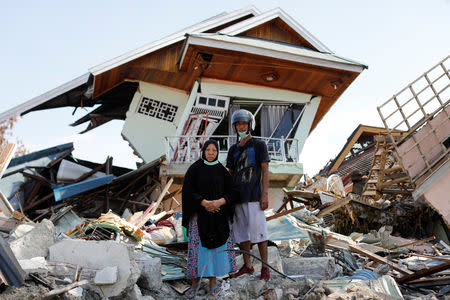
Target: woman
x=206, y=214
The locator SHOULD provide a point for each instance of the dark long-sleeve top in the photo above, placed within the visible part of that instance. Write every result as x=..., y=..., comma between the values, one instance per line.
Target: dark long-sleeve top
x=202, y=181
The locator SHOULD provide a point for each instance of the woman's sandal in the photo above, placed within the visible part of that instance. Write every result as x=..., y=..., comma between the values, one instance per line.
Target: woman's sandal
x=214, y=291
x=190, y=293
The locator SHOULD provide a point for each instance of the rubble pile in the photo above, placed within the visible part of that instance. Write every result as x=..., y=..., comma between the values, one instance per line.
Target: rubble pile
x=336, y=245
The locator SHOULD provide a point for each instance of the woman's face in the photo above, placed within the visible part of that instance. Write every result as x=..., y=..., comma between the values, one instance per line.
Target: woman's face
x=211, y=152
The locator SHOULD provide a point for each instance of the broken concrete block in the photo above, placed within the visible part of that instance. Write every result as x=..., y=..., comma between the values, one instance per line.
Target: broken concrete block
x=150, y=267
x=274, y=259
x=255, y=287
x=21, y=230
x=98, y=255
x=34, y=265
x=311, y=267
x=76, y=292
x=36, y=242
x=105, y=276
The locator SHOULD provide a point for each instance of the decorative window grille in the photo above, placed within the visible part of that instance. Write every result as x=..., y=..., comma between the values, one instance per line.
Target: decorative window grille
x=157, y=109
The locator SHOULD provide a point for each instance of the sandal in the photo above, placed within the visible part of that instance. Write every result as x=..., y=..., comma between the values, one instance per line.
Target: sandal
x=215, y=291
x=190, y=293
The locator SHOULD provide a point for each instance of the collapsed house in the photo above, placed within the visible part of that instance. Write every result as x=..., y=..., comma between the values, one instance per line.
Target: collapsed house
x=111, y=232
x=422, y=109
x=187, y=86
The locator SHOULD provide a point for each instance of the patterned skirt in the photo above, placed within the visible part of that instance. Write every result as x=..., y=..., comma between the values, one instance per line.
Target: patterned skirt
x=209, y=262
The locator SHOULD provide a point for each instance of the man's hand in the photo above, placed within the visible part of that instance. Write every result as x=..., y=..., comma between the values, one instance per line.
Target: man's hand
x=264, y=202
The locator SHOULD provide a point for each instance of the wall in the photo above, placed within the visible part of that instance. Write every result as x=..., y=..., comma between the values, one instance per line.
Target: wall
x=146, y=131
x=428, y=143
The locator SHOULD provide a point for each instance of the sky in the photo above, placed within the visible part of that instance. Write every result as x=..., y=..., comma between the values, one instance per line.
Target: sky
x=47, y=43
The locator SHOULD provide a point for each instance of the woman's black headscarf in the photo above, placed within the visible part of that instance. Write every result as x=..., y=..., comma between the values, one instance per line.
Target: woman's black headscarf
x=209, y=182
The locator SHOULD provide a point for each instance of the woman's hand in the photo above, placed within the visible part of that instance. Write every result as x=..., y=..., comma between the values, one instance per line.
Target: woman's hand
x=213, y=205
x=209, y=205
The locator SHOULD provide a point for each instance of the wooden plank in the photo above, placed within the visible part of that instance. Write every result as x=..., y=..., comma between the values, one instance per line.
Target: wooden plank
x=38, y=178
x=65, y=289
x=150, y=211
x=432, y=280
x=45, y=198
x=334, y=206
x=6, y=154
x=415, y=243
x=379, y=259
x=301, y=193
x=33, y=193
x=424, y=272
x=286, y=212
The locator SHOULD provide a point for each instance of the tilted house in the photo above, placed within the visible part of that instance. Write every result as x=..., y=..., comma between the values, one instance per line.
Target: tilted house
x=178, y=91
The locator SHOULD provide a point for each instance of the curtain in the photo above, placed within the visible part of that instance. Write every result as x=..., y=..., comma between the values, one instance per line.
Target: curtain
x=270, y=117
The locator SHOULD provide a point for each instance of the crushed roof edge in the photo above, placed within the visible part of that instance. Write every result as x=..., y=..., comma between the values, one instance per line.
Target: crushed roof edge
x=64, y=88
x=178, y=36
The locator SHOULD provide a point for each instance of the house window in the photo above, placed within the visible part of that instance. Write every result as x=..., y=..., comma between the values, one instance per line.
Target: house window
x=212, y=102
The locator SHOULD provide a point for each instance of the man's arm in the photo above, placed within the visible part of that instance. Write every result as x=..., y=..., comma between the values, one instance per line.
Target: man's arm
x=264, y=201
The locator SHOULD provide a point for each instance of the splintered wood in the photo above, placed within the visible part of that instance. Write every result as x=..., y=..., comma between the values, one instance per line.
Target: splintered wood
x=386, y=176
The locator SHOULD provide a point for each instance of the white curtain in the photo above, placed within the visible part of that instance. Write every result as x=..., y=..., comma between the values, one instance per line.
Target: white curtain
x=270, y=117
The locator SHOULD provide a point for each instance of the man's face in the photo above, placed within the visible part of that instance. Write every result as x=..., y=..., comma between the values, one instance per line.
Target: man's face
x=241, y=126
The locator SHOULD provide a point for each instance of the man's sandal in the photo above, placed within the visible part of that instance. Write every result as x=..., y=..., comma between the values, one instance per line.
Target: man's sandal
x=190, y=293
x=214, y=291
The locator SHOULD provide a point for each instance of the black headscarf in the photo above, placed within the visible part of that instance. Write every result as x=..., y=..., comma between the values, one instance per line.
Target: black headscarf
x=210, y=182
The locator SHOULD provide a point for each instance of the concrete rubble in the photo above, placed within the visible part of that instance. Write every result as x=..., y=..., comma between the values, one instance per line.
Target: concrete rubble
x=371, y=225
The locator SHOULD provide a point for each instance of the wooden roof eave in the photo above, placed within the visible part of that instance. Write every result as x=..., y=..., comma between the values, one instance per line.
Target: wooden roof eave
x=235, y=46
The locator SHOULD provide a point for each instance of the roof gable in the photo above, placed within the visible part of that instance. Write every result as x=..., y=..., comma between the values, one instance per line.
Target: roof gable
x=279, y=31
x=266, y=18
x=360, y=131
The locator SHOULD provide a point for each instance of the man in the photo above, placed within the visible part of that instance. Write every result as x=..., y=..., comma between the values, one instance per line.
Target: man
x=248, y=163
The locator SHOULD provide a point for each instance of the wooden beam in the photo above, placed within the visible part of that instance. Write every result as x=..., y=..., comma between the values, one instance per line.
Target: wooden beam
x=286, y=212
x=379, y=259
x=414, y=243
x=303, y=194
x=338, y=204
x=150, y=211
x=424, y=272
x=65, y=289
x=37, y=178
x=31, y=205
x=432, y=257
x=432, y=281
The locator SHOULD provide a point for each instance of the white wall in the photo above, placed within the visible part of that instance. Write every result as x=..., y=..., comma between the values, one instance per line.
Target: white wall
x=146, y=133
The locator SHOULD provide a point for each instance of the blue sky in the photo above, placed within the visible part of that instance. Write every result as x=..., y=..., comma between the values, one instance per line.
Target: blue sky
x=47, y=43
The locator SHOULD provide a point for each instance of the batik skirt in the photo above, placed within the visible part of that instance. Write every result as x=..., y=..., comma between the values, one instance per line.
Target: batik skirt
x=208, y=262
